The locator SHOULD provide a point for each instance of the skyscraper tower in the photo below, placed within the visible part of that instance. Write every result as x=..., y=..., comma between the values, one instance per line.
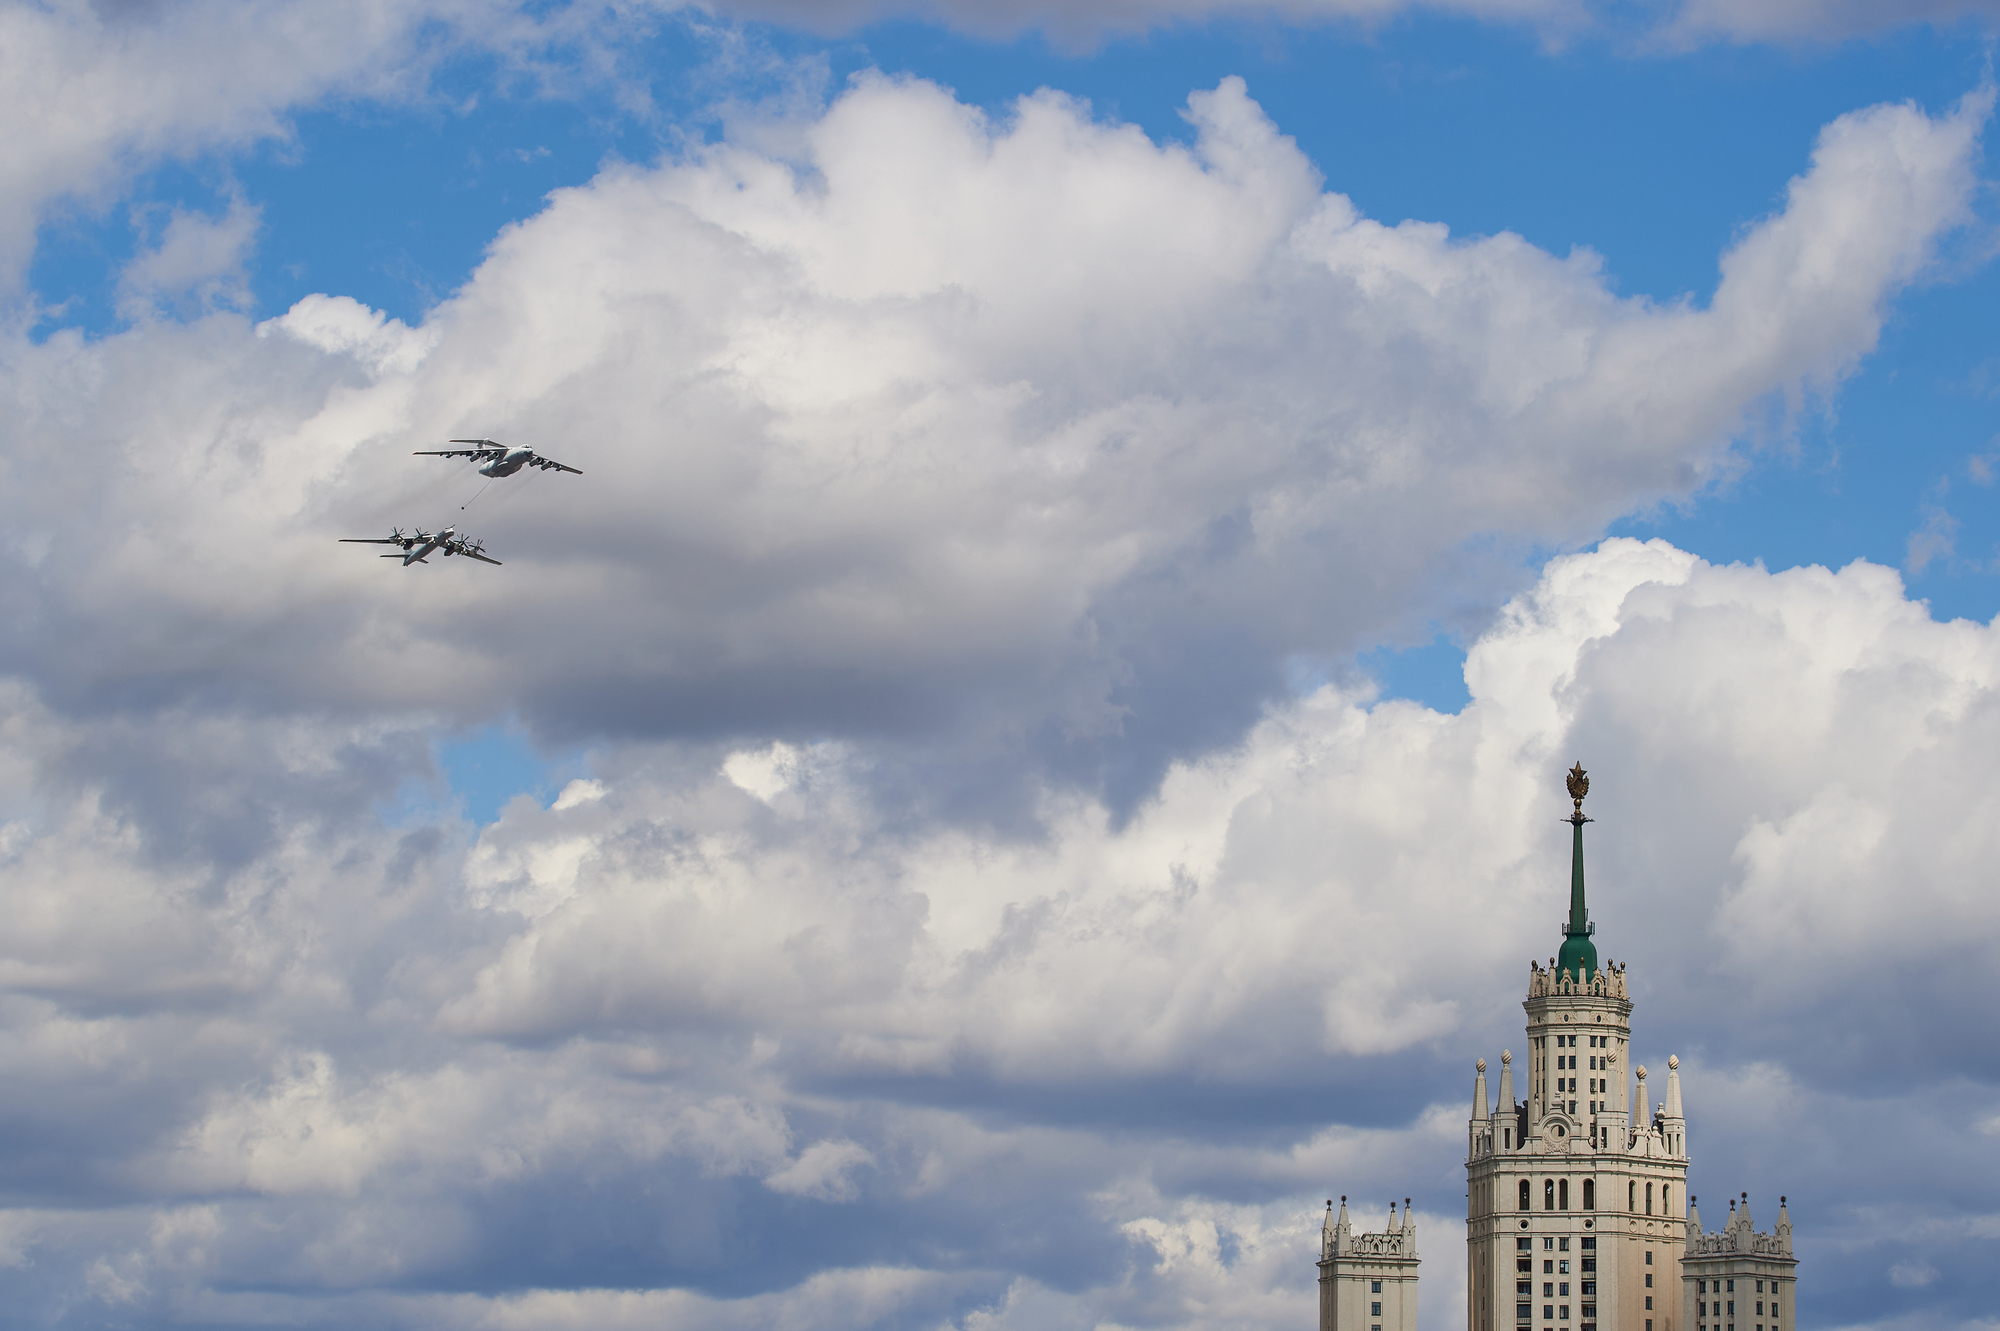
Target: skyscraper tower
x=1576, y=1196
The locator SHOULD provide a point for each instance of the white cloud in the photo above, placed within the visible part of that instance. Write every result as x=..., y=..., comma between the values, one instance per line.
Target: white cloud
x=1815, y=21
x=1912, y=1274
x=110, y=88
x=981, y=433
x=198, y=265
x=727, y=999
x=1088, y=22
x=1240, y=916
x=894, y=481
x=1082, y=24
x=823, y=1170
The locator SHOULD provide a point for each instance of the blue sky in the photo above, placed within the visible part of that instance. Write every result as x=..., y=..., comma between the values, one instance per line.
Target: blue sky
x=1031, y=754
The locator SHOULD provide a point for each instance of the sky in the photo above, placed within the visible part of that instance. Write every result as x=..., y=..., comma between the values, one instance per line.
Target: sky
x=1031, y=755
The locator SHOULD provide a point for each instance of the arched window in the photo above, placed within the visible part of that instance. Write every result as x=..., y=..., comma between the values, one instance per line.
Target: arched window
x=1562, y=1193
x=1664, y=1208
x=1649, y=1199
x=1631, y=1196
x=1524, y=1194
x=1548, y=1194
x=1590, y=1194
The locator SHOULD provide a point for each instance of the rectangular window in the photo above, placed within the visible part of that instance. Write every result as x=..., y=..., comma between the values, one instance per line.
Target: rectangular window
x=1589, y=1263
x=1563, y=1289
x=1760, y=1287
x=1732, y=1290
x=1522, y=1245
x=1549, y=1312
x=1548, y=1245
x=1524, y=1264
x=1548, y=1289
x=1562, y=1245
x=1649, y=1256
x=1523, y=1311
x=1649, y=1278
x=1562, y=1267
x=1374, y=1287
x=1589, y=1242
x=1649, y=1303
x=1564, y=1310
x=1524, y=1287
x=1374, y=1310
x=1548, y=1267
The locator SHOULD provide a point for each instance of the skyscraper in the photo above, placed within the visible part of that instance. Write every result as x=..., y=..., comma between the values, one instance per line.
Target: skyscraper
x=1577, y=1194
x=1577, y=1213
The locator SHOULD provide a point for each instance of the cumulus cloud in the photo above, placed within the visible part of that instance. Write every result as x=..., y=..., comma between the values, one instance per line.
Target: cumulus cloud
x=100, y=91
x=198, y=265
x=111, y=88
x=1815, y=21
x=1089, y=22
x=932, y=471
x=1028, y=434
x=1085, y=23
x=743, y=1010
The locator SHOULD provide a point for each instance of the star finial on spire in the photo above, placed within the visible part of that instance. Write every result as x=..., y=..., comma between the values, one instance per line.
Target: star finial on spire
x=1579, y=786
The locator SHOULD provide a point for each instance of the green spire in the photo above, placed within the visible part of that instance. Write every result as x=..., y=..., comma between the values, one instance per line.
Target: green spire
x=1579, y=954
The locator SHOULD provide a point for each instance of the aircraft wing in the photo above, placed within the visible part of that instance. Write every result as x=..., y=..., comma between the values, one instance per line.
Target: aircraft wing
x=369, y=540
x=551, y=464
x=474, y=554
x=454, y=452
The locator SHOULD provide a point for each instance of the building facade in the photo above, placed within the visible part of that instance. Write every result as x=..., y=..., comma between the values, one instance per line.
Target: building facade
x=1368, y=1282
x=1738, y=1279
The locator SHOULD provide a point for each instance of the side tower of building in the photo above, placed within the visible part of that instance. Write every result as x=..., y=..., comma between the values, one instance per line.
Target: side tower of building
x=1368, y=1282
x=1738, y=1278
x=1575, y=1195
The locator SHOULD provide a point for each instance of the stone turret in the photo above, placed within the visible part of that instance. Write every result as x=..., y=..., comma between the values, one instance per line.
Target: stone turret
x=1739, y=1276
x=1368, y=1281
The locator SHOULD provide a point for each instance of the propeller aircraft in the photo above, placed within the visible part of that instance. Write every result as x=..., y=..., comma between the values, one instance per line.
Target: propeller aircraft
x=419, y=545
x=499, y=460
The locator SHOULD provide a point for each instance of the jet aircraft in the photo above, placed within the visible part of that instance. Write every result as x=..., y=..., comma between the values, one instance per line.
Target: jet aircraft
x=417, y=547
x=499, y=459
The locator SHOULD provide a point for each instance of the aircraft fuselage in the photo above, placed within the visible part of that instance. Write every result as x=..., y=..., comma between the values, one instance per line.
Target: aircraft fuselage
x=507, y=463
x=415, y=554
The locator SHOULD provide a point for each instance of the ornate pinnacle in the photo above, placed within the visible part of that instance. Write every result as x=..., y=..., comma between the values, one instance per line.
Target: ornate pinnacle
x=1579, y=786
x=1579, y=956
